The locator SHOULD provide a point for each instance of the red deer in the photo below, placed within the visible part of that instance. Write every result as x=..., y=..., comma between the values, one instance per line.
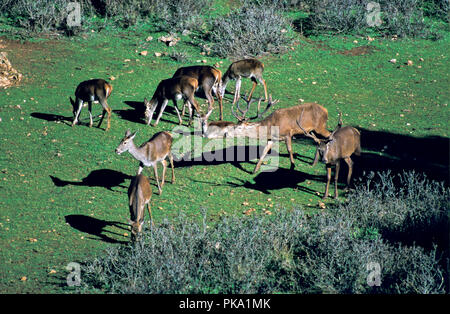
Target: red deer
x=249, y=68
x=139, y=195
x=281, y=125
x=209, y=79
x=155, y=150
x=176, y=88
x=341, y=144
x=90, y=91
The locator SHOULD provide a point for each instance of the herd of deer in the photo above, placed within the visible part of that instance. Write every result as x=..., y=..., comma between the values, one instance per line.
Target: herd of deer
x=281, y=125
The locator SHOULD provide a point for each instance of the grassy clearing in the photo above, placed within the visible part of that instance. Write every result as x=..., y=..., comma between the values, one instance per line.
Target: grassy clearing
x=64, y=189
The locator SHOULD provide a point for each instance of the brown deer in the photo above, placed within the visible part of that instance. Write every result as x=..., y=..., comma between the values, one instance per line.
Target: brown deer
x=91, y=91
x=139, y=195
x=281, y=125
x=214, y=129
x=176, y=88
x=155, y=150
x=249, y=68
x=209, y=79
x=341, y=144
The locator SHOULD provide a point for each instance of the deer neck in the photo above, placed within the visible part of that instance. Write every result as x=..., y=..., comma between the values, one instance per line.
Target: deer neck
x=140, y=153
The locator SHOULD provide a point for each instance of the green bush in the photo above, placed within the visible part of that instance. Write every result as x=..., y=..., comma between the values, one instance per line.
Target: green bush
x=291, y=251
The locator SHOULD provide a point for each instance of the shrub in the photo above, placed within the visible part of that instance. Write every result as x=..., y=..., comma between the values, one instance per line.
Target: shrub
x=250, y=31
x=398, y=17
x=291, y=251
x=179, y=15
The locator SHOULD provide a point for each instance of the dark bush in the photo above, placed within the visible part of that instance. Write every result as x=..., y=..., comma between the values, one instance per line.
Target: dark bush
x=250, y=30
x=293, y=252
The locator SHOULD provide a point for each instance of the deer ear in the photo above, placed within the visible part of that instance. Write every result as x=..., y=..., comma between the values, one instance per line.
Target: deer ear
x=133, y=135
x=127, y=133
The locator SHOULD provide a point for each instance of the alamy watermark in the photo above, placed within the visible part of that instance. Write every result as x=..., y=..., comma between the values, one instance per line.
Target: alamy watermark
x=73, y=14
x=73, y=279
x=374, y=276
x=373, y=17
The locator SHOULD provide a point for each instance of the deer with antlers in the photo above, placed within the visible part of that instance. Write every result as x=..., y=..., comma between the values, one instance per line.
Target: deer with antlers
x=249, y=68
x=175, y=88
x=280, y=125
x=209, y=79
x=341, y=144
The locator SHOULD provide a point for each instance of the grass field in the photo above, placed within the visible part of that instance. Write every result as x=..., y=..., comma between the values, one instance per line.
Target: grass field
x=63, y=189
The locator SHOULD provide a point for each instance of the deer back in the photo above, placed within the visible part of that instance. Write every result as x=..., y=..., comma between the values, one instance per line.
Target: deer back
x=95, y=89
x=313, y=116
x=158, y=147
x=139, y=194
x=246, y=68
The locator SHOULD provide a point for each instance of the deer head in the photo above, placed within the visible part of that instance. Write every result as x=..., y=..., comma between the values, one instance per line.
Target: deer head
x=126, y=142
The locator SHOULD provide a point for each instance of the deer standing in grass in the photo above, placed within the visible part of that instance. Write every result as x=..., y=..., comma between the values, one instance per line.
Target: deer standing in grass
x=139, y=195
x=249, y=68
x=155, y=150
x=281, y=125
x=341, y=144
x=176, y=88
x=90, y=91
x=209, y=79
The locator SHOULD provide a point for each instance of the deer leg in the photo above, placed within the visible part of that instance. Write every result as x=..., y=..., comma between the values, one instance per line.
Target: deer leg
x=336, y=176
x=155, y=170
x=193, y=103
x=106, y=109
x=163, y=107
x=265, y=88
x=251, y=91
x=316, y=157
x=219, y=99
x=90, y=113
x=350, y=170
x=180, y=120
x=266, y=150
x=171, y=165
x=328, y=180
x=237, y=92
x=141, y=167
x=164, y=163
x=191, y=113
x=289, y=148
x=79, y=103
x=150, y=213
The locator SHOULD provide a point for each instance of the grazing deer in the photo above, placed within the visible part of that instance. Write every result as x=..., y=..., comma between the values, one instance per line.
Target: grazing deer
x=341, y=144
x=219, y=129
x=250, y=68
x=139, y=195
x=90, y=91
x=155, y=150
x=176, y=88
x=214, y=129
x=209, y=78
x=281, y=125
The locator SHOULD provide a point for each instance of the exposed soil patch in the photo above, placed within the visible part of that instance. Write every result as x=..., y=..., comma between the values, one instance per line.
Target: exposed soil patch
x=357, y=51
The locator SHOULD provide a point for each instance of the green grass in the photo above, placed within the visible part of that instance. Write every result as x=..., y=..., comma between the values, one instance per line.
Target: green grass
x=43, y=162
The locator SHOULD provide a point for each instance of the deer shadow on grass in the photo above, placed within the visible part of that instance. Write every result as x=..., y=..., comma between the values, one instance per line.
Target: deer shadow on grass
x=137, y=112
x=52, y=117
x=97, y=227
x=106, y=178
x=397, y=153
x=234, y=154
